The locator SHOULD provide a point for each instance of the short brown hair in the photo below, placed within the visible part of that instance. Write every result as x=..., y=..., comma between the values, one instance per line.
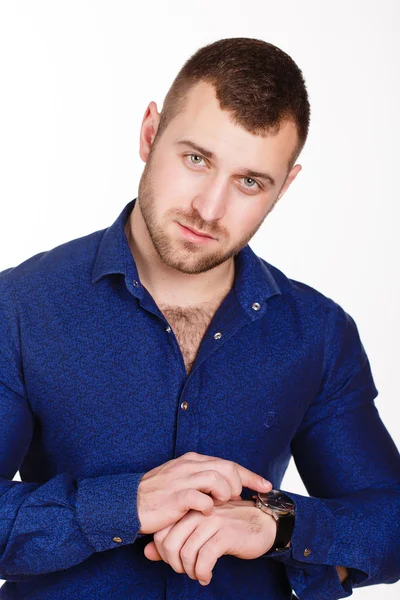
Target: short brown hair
x=258, y=83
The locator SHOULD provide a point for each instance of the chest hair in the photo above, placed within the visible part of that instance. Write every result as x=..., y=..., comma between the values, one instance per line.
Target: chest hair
x=189, y=326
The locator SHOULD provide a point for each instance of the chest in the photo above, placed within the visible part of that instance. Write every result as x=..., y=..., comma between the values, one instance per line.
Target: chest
x=189, y=326
x=108, y=395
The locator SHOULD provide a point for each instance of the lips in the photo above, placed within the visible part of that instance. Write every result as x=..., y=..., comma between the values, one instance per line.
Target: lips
x=198, y=232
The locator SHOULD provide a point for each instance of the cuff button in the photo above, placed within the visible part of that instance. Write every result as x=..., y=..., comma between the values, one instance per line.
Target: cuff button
x=117, y=539
x=307, y=552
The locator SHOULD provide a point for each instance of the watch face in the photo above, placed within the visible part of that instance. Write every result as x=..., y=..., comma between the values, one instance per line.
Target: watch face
x=278, y=500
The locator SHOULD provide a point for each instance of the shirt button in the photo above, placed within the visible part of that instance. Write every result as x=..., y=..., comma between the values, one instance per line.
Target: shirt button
x=307, y=552
x=135, y=283
x=184, y=405
x=117, y=539
x=217, y=335
x=255, y=306
x=168, y=330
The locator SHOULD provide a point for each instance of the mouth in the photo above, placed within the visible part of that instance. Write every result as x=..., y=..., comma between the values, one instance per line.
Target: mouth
x=200, y=233
x=193, y=235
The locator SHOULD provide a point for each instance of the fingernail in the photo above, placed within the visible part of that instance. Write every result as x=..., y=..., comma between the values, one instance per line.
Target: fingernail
x=202, y=582
x=265, y=482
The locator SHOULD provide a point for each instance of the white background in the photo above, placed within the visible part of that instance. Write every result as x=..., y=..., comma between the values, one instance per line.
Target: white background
x=76, y=78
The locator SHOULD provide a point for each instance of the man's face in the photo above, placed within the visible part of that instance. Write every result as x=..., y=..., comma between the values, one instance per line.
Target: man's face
x=182, y=187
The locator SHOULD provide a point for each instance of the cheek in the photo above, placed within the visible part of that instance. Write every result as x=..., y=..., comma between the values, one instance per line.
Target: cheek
x=174, y=179
x=245, y=220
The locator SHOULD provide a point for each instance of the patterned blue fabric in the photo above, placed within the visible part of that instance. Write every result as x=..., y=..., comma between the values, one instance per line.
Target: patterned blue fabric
x=91, y=386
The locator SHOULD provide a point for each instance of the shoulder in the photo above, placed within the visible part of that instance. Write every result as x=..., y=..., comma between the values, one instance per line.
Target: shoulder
x=300, y=294
x=74, y=256
x=319, y=315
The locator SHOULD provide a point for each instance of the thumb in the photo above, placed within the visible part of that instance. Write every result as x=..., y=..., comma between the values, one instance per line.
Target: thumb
x=151, y=552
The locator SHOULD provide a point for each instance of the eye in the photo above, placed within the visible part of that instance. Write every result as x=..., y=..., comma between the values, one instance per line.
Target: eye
x=195, y=156
x=251, y=187
x=254, y=184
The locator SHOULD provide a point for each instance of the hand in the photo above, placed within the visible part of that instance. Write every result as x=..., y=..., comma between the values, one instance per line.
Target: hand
x=194, y=545
x=343, y=573
x=168, y=492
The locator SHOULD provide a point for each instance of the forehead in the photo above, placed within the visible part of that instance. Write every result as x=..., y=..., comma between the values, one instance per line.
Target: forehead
x=203, y=122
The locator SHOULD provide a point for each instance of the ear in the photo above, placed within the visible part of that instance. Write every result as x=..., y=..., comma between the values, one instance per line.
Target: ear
x=292, y=175
x=148, y=130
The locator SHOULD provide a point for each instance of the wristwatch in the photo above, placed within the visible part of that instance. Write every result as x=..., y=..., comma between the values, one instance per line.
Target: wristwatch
x=282, y=508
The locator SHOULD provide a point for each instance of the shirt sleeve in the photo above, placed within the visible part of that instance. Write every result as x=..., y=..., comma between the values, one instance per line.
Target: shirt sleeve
x=50, y=526
x=351, y=468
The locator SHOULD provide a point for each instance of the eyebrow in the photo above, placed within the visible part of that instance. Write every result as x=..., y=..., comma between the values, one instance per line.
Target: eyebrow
x=211, y=155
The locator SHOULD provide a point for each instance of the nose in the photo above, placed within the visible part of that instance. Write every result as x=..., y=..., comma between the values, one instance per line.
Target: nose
x=211, y=202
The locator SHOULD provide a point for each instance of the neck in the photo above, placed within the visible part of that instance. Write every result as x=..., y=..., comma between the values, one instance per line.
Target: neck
x=167, y=285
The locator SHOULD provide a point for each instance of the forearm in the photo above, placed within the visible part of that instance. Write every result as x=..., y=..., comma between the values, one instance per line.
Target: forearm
x=56, y=525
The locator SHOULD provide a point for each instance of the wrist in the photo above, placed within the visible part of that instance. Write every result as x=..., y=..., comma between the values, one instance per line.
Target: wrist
x=282, y=509
x=269, y=528
x=343, y=573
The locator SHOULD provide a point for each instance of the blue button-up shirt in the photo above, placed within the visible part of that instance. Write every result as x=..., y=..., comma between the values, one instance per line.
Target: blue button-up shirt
x=92, y=382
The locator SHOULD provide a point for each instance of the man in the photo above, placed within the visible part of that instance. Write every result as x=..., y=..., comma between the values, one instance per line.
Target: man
x=153, y=373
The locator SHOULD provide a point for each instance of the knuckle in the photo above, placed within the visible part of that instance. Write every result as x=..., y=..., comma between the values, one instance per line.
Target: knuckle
x=186, y=556
x=186, y=498
x=232, y=467
x=213, y=474
x=186, y=494
x=190, y=454
x=158, y=536
x=169, y=546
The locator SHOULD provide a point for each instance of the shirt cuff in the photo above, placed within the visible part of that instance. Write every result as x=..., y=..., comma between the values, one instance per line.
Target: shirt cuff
x=313, y=555
x=106, y=509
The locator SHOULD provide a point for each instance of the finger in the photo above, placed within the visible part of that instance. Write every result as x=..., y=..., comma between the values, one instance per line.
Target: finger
x=208, y=555
x=190, y=549
x=219, y=502
x=160, y=549
x=195, y=456
x=151, y=552
x=210, y=481
x=159, y=536
x=190, y=499
x=176, y=538
x=236, y=475
x=253, y=481
x=158, y=540
x=233, y=499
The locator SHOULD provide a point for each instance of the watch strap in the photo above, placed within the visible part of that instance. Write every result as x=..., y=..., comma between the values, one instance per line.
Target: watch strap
x=284, y=531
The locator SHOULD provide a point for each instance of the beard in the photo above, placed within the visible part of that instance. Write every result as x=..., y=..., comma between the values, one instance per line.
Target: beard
x=183, y=255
